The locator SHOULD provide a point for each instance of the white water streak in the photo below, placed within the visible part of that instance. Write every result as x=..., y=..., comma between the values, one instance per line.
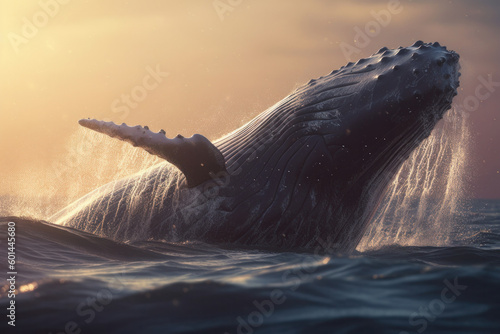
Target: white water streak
x=91, y=160
x=423, y=204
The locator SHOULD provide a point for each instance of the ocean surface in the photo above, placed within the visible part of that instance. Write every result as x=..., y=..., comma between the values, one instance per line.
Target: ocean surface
x=69, y=281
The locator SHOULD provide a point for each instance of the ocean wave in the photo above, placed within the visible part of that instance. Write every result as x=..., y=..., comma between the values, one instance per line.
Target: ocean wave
x=96, y=284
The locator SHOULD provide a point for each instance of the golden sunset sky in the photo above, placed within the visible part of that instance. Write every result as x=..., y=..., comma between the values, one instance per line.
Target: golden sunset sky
x=217, y=64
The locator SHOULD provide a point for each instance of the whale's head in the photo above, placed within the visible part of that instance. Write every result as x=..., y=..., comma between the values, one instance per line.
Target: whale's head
x=393, y=101
x=367, y=117
x=358, y=124
x=374, y=112
x=398, y=98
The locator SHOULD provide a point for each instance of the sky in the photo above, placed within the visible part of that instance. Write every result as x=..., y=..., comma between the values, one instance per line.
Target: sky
x=207, y=67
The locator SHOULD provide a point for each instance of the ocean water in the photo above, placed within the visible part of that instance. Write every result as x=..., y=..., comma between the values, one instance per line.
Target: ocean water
x=73, y=282
x=428, y=263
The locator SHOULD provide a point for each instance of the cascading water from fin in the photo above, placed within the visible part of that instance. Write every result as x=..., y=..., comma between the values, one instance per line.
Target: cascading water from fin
x=90, y=161
x=423, y=204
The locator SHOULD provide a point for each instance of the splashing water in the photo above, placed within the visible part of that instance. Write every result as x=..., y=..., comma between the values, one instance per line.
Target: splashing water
x=423, y=204
x=91, y=160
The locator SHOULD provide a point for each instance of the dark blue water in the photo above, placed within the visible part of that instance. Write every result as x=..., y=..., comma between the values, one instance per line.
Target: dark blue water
x=73, y=282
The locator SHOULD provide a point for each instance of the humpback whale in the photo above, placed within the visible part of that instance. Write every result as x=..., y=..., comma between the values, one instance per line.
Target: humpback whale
x=314, y=165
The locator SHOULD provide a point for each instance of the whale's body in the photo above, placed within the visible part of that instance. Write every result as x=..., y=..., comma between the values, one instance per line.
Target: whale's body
x=315, y=165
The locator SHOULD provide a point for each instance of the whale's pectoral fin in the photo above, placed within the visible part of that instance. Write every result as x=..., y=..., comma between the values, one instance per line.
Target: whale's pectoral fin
x=196, y=157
